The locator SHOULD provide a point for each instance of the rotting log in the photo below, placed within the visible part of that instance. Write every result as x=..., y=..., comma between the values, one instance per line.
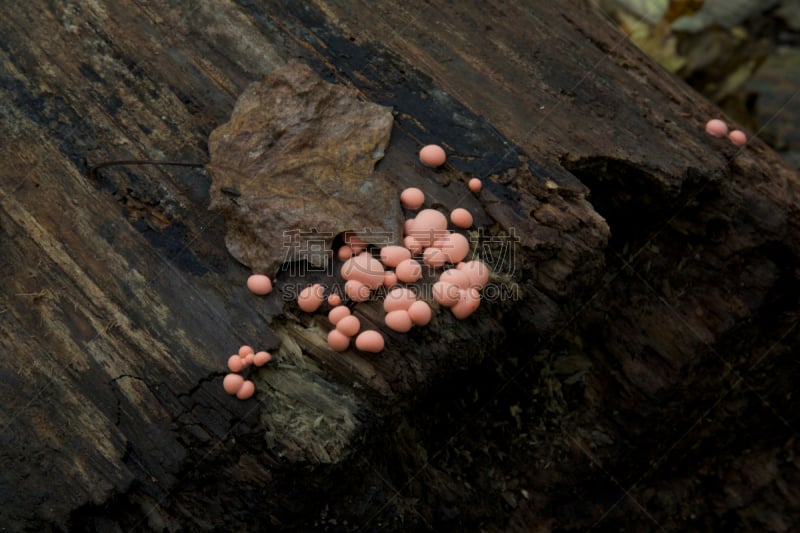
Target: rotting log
x=668, y=257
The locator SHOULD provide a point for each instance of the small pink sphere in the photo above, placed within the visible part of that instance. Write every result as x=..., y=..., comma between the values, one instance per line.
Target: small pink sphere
x=389, y=279
x=716, y=127
x=477, y=271
x=468, y=302
x=246, y=391
x=407, y=225
x=259, y=284
x=261, y=358
x=334, y=300
x=365, y=269
x=399, y=321
x=338, y=341
x=338, y=313
x=235, y=363
x=412, y=198
x=344, y=253
x=412, y=244
x=446, y=294
x=428, y=225
x=455, y=247
x=370, y=341
x=433, y=257
x=420, y=313
x=475, y=185
x=408, y=271
x=356, y=291
x=738, y=137
x=392, y=255
x=456, y=277
x=245, y=349
x=232, y=383
x=311, y=298
x=432, y=156
x=461, y=218
x=398, y=299
x=348, y=325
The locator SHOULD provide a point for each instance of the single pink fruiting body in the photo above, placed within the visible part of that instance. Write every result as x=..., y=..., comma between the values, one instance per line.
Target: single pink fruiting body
x=477, y=271
x=428, y=225
x=738, y=137
x=248, y=359
x=338, y=341
x=232, y=383
x=433, y=257
x=468, y=302
x=365, y=269
x=412, y=198
x=461, y=218
x=399, y=320
x=246, y=391
x=407, y=225
x=413, y=245
x=311, y=298
x=370, y=341
x=475, y=185
x=456, y=277
x=338, y=313
x=259, y=284
x=344, y=253
x=432, y=156
x=348, y=325
x=356, y=291
x=389, y=279
x=235, y=363
x=245, y=349
x=392, y=255
x=420, y=313
x=446, y=294
x=261, y=358
x=398, y=299
x=334, y=299
x=716, y=127
x=408, y=271
x=455, y=247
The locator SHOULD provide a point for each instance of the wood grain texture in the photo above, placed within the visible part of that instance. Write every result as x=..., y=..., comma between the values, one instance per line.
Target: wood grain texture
x=667, y=259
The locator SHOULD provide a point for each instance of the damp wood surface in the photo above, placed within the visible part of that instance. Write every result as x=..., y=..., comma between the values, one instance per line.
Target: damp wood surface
x=652, y=292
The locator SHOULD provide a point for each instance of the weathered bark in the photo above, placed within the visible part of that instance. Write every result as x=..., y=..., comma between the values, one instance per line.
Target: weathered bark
x=121, y=304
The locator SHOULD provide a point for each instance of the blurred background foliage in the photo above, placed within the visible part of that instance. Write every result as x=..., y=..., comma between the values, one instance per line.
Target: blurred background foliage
x=742, y=54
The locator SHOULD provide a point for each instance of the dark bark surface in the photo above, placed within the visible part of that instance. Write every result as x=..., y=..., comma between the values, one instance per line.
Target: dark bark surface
x=637, y=373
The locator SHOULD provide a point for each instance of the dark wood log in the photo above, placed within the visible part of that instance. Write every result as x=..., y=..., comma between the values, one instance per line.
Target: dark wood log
x=651, y=300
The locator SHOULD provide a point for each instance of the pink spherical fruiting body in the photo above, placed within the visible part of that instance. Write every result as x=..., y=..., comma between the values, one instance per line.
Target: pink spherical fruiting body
x=432, y=155
x=261, y=358
x=412, y=198
x=232, y=383
x=408, y=271
x=398, y=299
x=311, y=298
x=356, y=291
x=259, y=284
x=738, y=137
x=399, y=321
x=370, y=341
x=338, y=341
x=348, y=325
x=420, y=313
x=246, y=391
x=338, y=313
x=716, y=127
x=475, y=185
x=461, y=218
